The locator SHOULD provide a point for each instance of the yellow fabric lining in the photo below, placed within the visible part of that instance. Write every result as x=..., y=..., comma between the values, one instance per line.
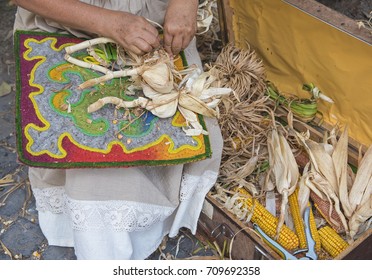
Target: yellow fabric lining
x=298, y=48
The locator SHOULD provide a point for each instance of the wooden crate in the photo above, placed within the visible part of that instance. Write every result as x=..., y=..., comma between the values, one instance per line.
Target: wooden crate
x=217, y=224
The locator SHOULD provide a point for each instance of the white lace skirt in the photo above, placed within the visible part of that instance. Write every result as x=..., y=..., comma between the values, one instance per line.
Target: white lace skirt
x=121, y=213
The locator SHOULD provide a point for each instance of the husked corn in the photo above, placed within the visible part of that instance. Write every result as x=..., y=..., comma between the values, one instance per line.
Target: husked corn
x=268, y=223
x=331, y=242
x=297, y=219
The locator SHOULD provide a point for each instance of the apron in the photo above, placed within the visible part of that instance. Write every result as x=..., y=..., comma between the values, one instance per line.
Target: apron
x=121, y=213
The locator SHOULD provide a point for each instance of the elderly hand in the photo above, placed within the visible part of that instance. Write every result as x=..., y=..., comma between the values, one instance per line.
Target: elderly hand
x=132, y=32
x=179, y=25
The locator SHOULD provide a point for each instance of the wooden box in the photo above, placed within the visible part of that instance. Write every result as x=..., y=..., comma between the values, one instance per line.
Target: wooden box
x=217, y=224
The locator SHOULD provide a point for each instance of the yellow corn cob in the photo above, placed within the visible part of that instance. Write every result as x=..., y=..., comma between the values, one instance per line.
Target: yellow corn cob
x=268, y=223
x=331, y=242
x=314, y=231
x=299, y=224
x=297, y=219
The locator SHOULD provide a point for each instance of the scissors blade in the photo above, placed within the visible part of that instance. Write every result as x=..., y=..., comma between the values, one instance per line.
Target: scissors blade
x=275, y=245
x=311, y=254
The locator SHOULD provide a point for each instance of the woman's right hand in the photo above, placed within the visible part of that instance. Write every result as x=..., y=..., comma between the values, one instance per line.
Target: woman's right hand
x=132, y=32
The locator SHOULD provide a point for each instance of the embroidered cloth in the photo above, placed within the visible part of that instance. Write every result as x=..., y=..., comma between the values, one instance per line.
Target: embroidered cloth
x=54, y=129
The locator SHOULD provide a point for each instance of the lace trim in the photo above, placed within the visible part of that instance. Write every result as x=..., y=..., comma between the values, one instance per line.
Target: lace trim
x=50, y=199
x=95, y=215
x=192, y=184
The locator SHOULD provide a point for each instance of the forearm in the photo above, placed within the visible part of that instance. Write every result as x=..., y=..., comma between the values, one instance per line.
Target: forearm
x=71, y=13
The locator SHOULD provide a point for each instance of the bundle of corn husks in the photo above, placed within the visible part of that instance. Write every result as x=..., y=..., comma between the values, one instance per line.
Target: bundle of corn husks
x=342, y=197
x=244, y=117
x=305, y=109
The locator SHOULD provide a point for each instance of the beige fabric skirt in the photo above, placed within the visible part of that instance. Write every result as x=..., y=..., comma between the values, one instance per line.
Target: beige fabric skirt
x=120, y=213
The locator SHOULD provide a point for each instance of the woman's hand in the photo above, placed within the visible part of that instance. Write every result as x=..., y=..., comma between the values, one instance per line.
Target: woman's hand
x=179, y=25
x=132, y=32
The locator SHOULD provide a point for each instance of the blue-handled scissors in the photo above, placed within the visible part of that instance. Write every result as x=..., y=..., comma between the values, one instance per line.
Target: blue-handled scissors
x=310, y=251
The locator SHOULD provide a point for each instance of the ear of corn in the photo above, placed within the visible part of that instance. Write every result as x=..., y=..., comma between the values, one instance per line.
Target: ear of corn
x=314, y=231
x=284, y=168
x=340, y=157
x=297, y=219
x=299, y=222
x=323, y=207
x=267, y=222
x=303, y=194
x=331, y=242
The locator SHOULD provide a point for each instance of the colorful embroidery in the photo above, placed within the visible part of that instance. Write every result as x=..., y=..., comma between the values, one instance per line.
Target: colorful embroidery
x=55, y=130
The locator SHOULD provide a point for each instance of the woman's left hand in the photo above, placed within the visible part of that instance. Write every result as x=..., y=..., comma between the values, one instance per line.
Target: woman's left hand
x=179, y=25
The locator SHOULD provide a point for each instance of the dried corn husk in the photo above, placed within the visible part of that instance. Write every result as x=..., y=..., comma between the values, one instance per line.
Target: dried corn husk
x=324, y=163
x=284, y=169
x=362, y=187
x=241, y=70
x=193, y=127
x=204, y=16
x=163, y=105
x=324, y=179
x=243, y=172
x=361, y=215
x=340, y=162
x=303, y=190
x=194, y=104
x=360, y=195
x=159, y=77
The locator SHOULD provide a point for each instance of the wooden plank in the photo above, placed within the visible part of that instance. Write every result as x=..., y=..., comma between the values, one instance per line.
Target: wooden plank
x=226, y=13
x=333, y=18
x=246, y=243
x=361, y=249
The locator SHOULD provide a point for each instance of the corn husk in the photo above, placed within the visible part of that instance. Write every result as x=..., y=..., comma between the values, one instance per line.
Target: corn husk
x=163, y=105
x=193, y=127
x=360, y=195
x=360, y=216
x=284, y=169
x=241, y=70
x=324, y=163
x=340, y=162
x=362, y=187
x=159, y=77
x=303, y=190
x=194, y=104
x=204, y=16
